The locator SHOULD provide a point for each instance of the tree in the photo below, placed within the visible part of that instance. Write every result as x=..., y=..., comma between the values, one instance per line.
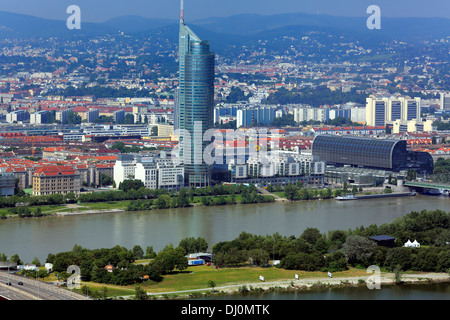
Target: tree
x=105, y=180
x=129, y=184
x=138, y=253
x=211, y=284
x=399, y=256
x=183, y=198
x=192, y=245
x=140, y=294
x=311, y=235
x=36, y=262
x=15, y=258
x=345, y=186
x=290, y=191
x=337, y=238
x=149, y=253
x=154, y=131
x=73, y=118
x=71, y=197
x=162, y=202
x=358, y=249
x=398, y=274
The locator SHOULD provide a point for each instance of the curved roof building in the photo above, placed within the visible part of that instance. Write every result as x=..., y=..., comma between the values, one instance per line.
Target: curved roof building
x=369, y=152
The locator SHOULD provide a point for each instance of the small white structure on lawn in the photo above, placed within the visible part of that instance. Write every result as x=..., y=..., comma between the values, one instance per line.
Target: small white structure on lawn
x=410, y=244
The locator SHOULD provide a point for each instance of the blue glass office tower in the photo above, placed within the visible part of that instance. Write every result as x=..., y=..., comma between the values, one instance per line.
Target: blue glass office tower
x=195, y=98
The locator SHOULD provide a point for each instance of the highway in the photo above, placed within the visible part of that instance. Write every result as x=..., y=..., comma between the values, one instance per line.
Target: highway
x=33, y=290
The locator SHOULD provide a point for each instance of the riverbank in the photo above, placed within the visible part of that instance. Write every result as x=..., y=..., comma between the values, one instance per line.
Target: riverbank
x=294, y=285
x=122, y=205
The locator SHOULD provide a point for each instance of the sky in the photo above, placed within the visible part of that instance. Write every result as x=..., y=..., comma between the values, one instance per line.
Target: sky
x=102, y=10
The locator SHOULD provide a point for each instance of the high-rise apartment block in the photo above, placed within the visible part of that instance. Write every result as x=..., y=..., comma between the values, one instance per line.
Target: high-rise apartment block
x=39, y=117
x=444, y=101
x=382, y=110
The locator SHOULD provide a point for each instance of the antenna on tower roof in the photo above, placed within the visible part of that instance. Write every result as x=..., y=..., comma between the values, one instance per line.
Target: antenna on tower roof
x=182, y=10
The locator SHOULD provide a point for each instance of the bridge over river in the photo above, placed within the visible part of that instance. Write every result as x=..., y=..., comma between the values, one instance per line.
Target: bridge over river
x=437, y=187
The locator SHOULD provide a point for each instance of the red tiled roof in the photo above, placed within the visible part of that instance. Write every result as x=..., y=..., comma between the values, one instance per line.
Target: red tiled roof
x=54, y=170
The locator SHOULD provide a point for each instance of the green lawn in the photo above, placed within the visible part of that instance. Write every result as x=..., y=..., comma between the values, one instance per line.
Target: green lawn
x=280, y=194
x=44, y=209
x=197, y=277
x=106, y=205
x=237, y=198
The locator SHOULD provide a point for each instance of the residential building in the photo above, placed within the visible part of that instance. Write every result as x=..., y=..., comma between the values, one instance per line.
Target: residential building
x=119, y=116
x=402, y=126
x=255, y=116
x=444, y=101
x=92, y=115
x=38, y=117
x=55, y=179
x=312, y=114
x=61, y=115
x=124, y=168
x=382, y=110
x=7, y=182
x=17, y=116
x=157, y=173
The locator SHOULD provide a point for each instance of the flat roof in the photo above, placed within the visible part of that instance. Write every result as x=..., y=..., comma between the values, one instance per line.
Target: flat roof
x=382, y=237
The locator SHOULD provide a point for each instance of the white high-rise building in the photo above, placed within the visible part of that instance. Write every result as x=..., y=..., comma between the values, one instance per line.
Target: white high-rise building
x=92, y=115
x=124, y=168
x=61, y=115
x=38, y=117
x=309, y=113
x=444, y=101
x=358, y=114
x=147, y=172
x=17, y=116
x=382, y=110
x=155, y=173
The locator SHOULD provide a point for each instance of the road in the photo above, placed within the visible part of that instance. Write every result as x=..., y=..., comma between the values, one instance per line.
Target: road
x=33, y=290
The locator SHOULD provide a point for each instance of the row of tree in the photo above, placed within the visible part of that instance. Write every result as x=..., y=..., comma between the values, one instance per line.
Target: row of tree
x=123, y=270
x=313, y=250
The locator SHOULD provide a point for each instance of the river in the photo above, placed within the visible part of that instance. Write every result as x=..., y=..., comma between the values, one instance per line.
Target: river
x=434, y=291
x=37, y=237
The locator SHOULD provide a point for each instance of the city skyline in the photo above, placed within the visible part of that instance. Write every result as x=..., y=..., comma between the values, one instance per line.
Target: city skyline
x=101, y=10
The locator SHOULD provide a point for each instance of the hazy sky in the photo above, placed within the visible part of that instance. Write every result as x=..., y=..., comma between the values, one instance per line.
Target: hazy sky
x=101, y=10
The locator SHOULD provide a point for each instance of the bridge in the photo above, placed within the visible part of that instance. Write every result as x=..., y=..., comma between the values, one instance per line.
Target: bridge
x=427, y=185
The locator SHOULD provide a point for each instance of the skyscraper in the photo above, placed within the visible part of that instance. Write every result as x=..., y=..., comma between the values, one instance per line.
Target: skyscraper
x=386, y=109
x=195, y=103
x=444, y=101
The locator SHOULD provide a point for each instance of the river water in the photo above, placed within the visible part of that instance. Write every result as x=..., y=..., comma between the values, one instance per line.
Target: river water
x=37, y=237
x=434, y=291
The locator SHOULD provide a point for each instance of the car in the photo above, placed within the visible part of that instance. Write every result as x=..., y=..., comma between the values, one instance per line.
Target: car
x=20, y=283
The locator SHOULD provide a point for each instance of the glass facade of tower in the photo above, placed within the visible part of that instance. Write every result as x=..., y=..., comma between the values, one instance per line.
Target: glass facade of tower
x=195, y=107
